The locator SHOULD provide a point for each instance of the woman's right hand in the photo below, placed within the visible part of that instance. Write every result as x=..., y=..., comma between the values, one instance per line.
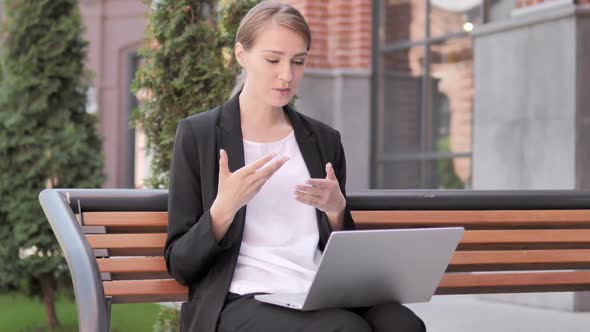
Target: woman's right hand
x=236, y=189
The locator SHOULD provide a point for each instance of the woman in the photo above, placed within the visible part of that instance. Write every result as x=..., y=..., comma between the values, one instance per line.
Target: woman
x=255, y=190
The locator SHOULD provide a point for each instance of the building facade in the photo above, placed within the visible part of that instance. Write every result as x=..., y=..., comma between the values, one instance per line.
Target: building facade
x=484, y=94
x=421, y=90
x=116, y=31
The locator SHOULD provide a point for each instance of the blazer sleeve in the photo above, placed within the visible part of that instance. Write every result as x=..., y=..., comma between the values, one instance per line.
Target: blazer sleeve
x=190, y=246
x=340, y=170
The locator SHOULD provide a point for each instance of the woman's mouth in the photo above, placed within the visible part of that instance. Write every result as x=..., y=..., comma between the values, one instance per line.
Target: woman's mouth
x=283, y=92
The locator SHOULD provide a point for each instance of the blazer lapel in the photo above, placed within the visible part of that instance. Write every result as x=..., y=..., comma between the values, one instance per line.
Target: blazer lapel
x=229, y=138
x=307, y=144
x=315, y=162
x=231, y=134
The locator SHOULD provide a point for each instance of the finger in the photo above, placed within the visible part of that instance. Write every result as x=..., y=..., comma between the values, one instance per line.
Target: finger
x=306, y=200
x=319, y=183
x=310, y=190
x=223, y=167
x=253, y=167
x=267, y=172
x=330, y=174
x=311, y=197
x=263, y=175
x=315, y=198
x=259, y=178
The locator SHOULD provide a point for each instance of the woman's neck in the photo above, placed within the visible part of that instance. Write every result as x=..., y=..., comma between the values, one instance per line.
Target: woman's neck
x=260, y=117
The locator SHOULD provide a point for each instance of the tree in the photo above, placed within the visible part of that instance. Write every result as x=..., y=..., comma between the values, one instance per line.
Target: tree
x=188, y=68
x=47, y=139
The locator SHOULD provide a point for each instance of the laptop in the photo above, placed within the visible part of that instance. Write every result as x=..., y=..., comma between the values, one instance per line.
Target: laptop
x=368, y=267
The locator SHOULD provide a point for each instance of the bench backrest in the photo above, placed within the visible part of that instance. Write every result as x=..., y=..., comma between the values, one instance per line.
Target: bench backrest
x=509, y=250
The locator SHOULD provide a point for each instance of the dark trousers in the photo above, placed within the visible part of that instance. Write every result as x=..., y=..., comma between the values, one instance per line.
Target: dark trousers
x=243, y=313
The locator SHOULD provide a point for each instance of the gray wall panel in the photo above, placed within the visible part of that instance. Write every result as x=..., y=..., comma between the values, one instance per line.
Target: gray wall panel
x=583, y=103
x=532, y=113
x=341, y=99
x=524, y=122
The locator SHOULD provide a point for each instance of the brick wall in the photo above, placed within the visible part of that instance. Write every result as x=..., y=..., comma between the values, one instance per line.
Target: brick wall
x=341, y=32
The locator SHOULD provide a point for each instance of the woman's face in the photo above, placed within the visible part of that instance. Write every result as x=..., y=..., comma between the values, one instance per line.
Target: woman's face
x=274, y=64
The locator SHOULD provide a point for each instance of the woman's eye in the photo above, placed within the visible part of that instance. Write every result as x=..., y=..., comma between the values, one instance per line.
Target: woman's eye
x=298, y=63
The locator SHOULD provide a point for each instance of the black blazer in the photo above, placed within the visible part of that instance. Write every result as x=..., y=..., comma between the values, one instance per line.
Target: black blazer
x=193, y=256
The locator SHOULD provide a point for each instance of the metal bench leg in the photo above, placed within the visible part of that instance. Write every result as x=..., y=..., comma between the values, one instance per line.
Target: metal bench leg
x=108, y=303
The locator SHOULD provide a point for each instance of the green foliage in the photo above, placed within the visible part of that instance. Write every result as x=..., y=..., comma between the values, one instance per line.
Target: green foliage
x=448, y=179
x=8, y=250
x=22, y=314
x=167, y=320
x=232, y=12
x=183, y=72
x=46, y=136
x=188, y=68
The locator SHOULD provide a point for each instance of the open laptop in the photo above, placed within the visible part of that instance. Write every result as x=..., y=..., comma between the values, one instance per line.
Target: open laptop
x=368, y=267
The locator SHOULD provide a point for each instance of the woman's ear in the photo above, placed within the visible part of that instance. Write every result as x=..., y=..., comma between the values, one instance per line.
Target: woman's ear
x=240, y=53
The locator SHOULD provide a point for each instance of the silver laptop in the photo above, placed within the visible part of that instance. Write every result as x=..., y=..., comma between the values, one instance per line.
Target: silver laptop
x=365, y=268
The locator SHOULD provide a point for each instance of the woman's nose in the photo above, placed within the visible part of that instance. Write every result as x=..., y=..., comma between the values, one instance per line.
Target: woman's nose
x=286, y=73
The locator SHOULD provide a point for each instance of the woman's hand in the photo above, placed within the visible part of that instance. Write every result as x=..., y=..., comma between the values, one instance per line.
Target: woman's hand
x=324, y=194
x=236, y=189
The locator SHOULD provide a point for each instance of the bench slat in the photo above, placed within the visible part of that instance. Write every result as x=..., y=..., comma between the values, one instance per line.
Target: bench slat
x=474, y=219
x=462, y=261
x=513, y=260
x=126, y=219
x=122, y=241
x=470, y=219
x=141, y=287
x=132, y=264
x=161, y=290
x=525, y=239
x=166, y=289
x=514, y=282
x=574, y=239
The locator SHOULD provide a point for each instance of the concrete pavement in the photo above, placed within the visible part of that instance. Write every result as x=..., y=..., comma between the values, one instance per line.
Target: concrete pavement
x=467, y=313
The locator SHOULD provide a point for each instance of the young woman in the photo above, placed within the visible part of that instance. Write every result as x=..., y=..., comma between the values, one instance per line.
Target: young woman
x=255, y=190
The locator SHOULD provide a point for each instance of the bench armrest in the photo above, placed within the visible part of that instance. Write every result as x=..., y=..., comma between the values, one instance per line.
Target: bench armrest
x=91, y=306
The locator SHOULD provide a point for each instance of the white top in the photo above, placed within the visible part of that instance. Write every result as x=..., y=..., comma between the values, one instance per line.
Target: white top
x=279, y=250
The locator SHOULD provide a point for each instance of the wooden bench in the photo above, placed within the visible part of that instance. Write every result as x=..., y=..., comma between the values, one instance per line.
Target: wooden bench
x=515, y=241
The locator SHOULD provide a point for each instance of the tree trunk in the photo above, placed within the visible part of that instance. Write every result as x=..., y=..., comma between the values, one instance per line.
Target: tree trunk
x=48, y=288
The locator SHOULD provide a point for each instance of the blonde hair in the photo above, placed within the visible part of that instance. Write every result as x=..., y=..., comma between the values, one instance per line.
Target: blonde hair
x=280, y=13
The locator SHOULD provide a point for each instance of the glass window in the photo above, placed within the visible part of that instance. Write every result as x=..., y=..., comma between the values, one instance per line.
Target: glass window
x=424, y=94
x=451, y=69
x=399, y=117
x=426, y=173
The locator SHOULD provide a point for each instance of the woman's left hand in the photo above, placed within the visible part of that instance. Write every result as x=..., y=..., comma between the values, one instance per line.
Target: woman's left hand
x=324, y=194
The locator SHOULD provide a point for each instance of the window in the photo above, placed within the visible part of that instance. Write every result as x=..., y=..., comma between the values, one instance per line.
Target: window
x=423, y=92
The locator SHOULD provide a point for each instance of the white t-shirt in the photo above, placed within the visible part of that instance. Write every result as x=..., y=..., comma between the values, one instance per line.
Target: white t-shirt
x=279, y=250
